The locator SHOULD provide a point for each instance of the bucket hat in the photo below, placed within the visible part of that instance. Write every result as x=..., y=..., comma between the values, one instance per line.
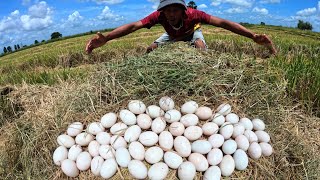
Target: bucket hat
x=164, y=3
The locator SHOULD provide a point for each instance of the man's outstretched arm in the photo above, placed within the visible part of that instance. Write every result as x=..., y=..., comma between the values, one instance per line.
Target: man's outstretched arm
x=239, y=29
x=100, y=39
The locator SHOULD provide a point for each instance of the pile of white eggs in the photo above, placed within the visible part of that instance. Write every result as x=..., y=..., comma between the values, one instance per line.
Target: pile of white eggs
x=190, y=140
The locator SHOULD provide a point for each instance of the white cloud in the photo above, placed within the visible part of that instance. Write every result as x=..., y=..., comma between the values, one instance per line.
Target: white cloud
x=107, y=14
x=270, y=1
x=318, y=5
x=202, y=6
x=243, y=3
x=39, y=10
x=235, y=10
x=307, y=12
x=74, y=17
x=263, y=11
x=11, y=22
x=15, y=13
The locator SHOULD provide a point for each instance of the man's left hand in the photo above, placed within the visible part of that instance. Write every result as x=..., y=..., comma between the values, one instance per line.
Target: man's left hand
x=266, y=41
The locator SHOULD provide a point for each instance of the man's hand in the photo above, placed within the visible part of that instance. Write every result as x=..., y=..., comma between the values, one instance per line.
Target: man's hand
x=266, y=41
x=98, y=41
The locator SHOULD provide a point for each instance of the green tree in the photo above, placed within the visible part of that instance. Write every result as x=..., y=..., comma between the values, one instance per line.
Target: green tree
x=304, y=25
x=15, y=47
x=192, y=5
x=9, y=49
x=36, y=42
x=43, y=41
x=5, y=50
x=56, y=35
x=18, y=46
x=262, y=24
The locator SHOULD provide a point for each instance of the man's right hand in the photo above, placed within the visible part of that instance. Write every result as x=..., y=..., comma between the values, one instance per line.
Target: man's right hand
x=97, y=41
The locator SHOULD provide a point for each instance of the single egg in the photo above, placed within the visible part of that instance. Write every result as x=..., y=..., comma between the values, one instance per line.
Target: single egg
x=255, y=151
x=108, y=168
x=127, y=117
x=172, y=115
x=153, y=155
x=118, y=128
x=212, y=173
x=189, y=120
x=251, y=136
x=148, y=138
x=74, y=129
x=74, y=152
x=123, y=157
x=241, y=160
x=108, y=120
x=187, y=171
x=219, y=119
x=182, y=146
x=224, y=109
x=258, y=125
x=176, y=128
x=227, y=165
x=106, y=151
x=158, y=171
x=204, y=113
x=238, y=129
x=226, y=130
x=172, y=159
x=93, y=148
x=69, y=168
x=166, y=103
x=215, y=156
x=158, y=125
x=216, y=140
x=210, y=128
x=144, y=121
x=232, y=118
x=266, y=149
x=83, y=139
x=166, y=140
x=242, y=142
x=94, y=128
x=103, y=138
x=193, y=133
x=199, y=161
x=60, y=154
x=246, y=123
x=229, y=147
x=154, y=111
x=117, y=141
x=65, y=140
x=132, y=133
x=137, y=169
x=201, y=146
x=189, y=107
x=96, y=165
x=137, y=150
x=262, y=136
x=83, y=161
x=136, y=107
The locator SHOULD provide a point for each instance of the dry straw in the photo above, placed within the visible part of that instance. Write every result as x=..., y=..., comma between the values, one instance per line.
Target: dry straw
x=210, y=78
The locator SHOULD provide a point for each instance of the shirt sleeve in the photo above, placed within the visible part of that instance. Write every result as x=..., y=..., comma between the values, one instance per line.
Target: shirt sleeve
x=202, y=16
x=150, y=20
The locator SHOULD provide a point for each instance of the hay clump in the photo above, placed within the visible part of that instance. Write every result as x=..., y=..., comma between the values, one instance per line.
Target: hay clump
x=210, y=78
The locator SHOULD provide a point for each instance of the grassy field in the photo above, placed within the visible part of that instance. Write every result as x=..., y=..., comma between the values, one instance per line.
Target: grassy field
x=45, y=88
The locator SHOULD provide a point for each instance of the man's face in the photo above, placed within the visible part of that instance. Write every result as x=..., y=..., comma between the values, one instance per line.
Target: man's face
x=173, y=13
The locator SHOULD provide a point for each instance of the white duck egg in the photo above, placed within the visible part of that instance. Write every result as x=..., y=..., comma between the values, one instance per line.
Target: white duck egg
x=65, y=140
x=96, y=165
x=117, y=142
x=137, y=107
x=108, y=168
x=74, y=129
x=106, y=151
x=219, y=119
x=199, y=161
x=95, y=127
x=166, y=103
x=262, y=136
x=201, y=146
x=137, y=150
x=229, y=147
x=242, y=142
x=154, y=111
x=158, y=171
x=132, y=133
x=182, y=146
x=128, y=117
x=189, y=120
x=224, y=109
x=238, y=129
x=158, y=125
x=255, y=151
x=172, y=159
x=123, y=157
x=74, y=152
x=60, y=154
x=258, y=125
x=176, y=128
x=204, y=113
x=186, y=171
x=153, y=155
x=212, y=173
x=226, y=130
x=251, y=136
x=210, y=128
x=232, y=118
x=246, y=123
x=103, y=138
x=83, y=161
x=144, y=121
x=148, y=138
x=193, y=133
x=137, y=169
x=83, y=139
x=215, y=156
x=108, y=120
x=266, y=149
x=166, y=140
x=189, y=107
x=93, y=148
x=216, y=140
x=118, y=128
x=172, y=115
x=69, y=168
x=227, y=165
x=241, y=160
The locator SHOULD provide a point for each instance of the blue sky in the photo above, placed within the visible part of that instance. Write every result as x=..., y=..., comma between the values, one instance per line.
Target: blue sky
x=23, y=21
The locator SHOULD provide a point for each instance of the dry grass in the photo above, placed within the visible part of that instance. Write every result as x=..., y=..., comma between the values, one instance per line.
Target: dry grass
x=252, y=87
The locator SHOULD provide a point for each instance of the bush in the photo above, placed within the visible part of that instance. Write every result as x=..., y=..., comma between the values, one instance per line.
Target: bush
x=304, y=25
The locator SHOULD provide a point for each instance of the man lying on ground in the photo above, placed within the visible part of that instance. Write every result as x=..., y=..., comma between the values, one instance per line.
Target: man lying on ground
x=181, y=24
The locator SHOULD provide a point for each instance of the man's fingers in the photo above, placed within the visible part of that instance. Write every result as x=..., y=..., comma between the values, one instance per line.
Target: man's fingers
x=100, y=35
